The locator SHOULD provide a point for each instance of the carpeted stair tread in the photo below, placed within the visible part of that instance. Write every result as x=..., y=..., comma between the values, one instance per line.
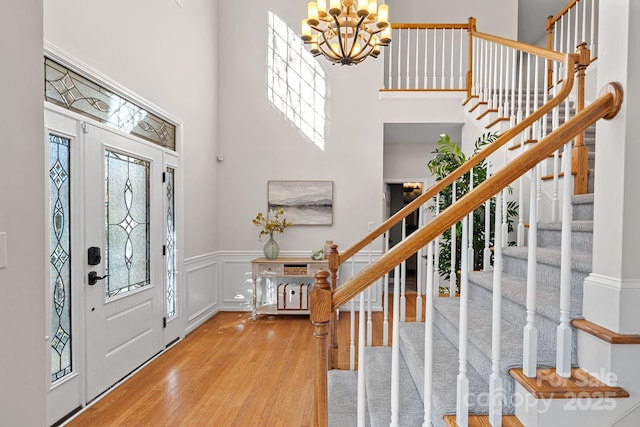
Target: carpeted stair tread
x=479, y=348
x=551, y=256
x=584, y=226
x=550, y=235
x=343, y=391
x=515, y=289
x=445, y=371
x=378, y=386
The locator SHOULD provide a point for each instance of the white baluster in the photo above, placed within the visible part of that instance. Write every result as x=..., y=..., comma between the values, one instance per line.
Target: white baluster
x=395, y=353
x=462, y=406
x=480, y=71
x=495, y=381
x=435, y=39
x=385, y=308
x=592, y=36
x=584, y=23
x=436, y=254
x=403, y=277
x=520, y=230
x=426, y=44
x=417, y=84
x=428, y=339
x=486, y=255
x=569, y=44
x=505, y=225
x=507, y=106
x=452, y=83
x=576, y=25
x=369, y=307
x=399, y=58
x=409, y=58
x=444, y=52
x=391, y=52
x=494, y=90
x=475, y=60
x=536, y=88
x=470, y=249
x=530, y=343
x=563, y=348
x=361, y=382
x=500, y=100
x=512, y=117
x=419, y=274
x=452, y=272
x=488, y=93
x=352, y=326
x=527, y=132
x=461, y=78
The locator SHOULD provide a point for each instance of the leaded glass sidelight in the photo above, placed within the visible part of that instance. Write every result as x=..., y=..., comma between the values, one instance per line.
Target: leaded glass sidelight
x=60, y=256
x=171, y=245
x=127, y=253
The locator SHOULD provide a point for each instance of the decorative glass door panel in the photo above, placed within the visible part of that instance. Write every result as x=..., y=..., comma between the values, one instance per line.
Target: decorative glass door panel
x=127, y=223
x=60, y=256
x=171, y=308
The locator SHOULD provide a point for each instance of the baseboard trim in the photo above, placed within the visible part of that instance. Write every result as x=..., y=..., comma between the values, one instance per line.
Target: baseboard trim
x=604, y=333
x=547, y=384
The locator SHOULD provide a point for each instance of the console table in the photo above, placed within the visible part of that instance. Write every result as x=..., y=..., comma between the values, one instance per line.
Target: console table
x=281, y=285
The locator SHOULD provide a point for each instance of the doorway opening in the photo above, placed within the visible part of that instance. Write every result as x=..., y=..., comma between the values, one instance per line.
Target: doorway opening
x=400, y=195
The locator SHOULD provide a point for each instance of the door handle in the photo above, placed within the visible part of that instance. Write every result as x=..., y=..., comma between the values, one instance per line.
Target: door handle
x=93, y=277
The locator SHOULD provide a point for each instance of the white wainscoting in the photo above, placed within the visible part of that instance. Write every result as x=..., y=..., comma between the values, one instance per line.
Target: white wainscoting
x=221, y=281
x=201, y=289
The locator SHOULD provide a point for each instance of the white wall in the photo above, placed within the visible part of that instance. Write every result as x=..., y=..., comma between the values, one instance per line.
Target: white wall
x=259, y=144
x=22, y=205
x=499, y=17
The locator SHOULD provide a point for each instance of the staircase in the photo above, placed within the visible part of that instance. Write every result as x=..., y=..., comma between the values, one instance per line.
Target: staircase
x=446, y=315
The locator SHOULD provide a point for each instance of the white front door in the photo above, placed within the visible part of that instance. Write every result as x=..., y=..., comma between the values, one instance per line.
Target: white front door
x=124, y=223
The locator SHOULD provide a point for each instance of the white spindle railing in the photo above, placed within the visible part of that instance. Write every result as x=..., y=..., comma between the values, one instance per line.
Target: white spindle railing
x=428, y=337
x=403, y=278
x=563, y=348
x=395, y=354
x=454, y=249
x=385, y=300
x=370, y=306
x=495, y=381
x=530, y=341
x=462, y=401
x=470, y=250
x=361, y=367
x=446, y=44
x=352, y=325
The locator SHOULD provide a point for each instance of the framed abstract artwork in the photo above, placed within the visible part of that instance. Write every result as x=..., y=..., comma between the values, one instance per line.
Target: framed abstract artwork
x=304, y=202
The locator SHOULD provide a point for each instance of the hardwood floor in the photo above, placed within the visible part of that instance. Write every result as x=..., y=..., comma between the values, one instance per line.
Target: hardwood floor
x=231, y=371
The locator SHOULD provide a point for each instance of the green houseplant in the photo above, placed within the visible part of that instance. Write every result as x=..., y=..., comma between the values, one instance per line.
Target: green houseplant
x=448, y=157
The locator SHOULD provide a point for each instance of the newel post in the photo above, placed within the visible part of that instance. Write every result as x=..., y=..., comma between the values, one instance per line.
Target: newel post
x=334, y=264
x=320, y=317
x=550, y=26
x=580, y=152
x=471, y=28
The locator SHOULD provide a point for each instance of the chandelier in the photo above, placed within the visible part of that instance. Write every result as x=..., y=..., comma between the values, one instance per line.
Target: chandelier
x=347, y=33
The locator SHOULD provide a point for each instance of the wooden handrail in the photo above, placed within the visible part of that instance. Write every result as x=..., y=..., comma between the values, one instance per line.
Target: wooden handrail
x=553, y=19
x=401, y=26
x=569, y=61
x=606, y=106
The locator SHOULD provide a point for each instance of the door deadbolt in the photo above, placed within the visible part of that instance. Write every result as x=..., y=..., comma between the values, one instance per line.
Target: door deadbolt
x=93, y=277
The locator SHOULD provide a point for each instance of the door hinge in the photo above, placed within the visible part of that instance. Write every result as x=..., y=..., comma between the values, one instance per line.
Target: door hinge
x=164, y=177
x=164, y=250
x=84, y=127
x=164, y=322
